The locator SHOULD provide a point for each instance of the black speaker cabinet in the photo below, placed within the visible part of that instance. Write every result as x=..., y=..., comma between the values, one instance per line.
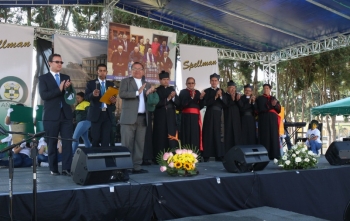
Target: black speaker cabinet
x=246, y=158
x=98, y=165
x=338, y=153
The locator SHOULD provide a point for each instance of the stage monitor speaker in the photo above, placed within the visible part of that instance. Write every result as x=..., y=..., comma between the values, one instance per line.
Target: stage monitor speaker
x=338, y=153
x=98, y=165
x=246, y=158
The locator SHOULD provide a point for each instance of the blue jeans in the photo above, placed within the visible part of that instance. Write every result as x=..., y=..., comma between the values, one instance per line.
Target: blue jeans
x=315, y=146
x=81, y=130
x=19, y=160
x=43, y=158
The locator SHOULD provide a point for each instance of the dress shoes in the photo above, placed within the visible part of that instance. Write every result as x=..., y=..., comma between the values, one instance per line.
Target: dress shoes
x=146, y=163
x=66, y=173
x=139, y=171
x=55, y=173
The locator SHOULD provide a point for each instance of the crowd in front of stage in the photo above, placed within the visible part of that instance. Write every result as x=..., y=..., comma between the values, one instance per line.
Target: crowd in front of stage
x=247, y=119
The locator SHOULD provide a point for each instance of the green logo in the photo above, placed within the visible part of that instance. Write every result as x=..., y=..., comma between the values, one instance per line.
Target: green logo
x=13, y=89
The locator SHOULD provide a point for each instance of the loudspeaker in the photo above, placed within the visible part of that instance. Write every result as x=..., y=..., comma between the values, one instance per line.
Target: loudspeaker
x=246, y=158
x=338, y=153
x=98, y=165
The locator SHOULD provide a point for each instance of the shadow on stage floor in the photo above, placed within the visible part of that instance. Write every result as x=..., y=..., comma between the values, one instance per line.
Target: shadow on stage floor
x=323, y=193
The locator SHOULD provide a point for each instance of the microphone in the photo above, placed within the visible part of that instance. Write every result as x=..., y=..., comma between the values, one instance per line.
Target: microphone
x=42, y=133
x=96, y=82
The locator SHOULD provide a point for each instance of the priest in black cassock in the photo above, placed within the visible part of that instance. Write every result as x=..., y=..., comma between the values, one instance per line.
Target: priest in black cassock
x=232, y=117
x=212, y=99
x=191, y=121
x=246, y=106
x=268, y=109
x=164, y=121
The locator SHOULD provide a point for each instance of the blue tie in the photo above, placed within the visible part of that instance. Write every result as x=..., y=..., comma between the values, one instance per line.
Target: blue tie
x=103, y=90
x=57, y=77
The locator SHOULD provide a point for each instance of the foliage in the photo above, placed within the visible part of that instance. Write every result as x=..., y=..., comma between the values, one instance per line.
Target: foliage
x=181, y=161
x=298, y=157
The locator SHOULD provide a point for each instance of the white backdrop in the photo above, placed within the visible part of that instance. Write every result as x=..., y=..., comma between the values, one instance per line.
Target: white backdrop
x=16, y=53
x=198, y=62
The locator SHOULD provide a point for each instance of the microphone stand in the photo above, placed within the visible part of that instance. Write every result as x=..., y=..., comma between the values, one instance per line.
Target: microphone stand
x=34, y=146
x=11, y=170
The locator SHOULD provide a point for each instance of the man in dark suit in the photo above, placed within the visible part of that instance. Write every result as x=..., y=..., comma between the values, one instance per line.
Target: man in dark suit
x=57, y=114
x=134, y=115
x=100, y=114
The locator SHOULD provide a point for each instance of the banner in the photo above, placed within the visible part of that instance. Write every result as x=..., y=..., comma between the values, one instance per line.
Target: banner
x=199, y=63
x=81, y=57
x=155, y=49
x=16, y=52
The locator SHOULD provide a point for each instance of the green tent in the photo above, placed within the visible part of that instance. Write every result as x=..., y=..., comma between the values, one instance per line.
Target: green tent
x=339, y=107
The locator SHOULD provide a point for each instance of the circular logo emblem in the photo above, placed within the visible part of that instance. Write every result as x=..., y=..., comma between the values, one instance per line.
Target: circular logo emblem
x=13, y=89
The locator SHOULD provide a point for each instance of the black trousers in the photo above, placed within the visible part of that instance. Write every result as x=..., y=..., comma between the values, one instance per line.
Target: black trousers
x=64, y=128
x=101, y=130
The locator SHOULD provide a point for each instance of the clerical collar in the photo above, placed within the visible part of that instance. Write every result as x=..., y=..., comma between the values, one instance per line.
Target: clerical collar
x=213, y=88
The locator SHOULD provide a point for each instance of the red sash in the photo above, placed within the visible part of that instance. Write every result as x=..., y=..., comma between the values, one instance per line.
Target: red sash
x=196, y=111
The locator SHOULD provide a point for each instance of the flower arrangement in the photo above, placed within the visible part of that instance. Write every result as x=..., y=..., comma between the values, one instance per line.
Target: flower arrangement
x=178, y=162
x=298, y=157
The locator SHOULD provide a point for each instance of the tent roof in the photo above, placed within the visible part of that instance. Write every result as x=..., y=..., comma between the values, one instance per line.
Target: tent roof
x=339, y=107
x=247, y=25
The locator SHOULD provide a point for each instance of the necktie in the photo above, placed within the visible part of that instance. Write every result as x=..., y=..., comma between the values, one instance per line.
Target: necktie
x=103, y=90
x=57, y=77
x=58, y=82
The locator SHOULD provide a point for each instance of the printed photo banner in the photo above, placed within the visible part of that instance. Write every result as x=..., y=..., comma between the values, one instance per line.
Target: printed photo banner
x=155, y=49
x=198, y=62
x=81, y=57
x=16, y=52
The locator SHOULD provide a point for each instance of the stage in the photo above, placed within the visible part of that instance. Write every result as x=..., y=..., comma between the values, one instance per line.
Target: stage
x=323, y=193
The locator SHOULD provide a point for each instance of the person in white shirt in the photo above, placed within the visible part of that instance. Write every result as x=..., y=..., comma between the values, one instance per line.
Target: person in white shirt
x=43, y=158
x=21, y=154
x=313, y=138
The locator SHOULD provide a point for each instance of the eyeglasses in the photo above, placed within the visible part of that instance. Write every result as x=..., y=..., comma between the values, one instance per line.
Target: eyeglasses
x=137, y=69
x=190, y=82
x=58, y=62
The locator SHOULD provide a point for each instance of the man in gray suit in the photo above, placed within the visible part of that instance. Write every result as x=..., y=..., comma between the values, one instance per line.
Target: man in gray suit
x=133, y=120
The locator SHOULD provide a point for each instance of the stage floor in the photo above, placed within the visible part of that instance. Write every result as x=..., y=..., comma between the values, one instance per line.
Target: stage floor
x=322, y=192
x=23, y=177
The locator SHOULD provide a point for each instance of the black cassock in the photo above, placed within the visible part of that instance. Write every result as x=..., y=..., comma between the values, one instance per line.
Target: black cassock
x=248, y=121
x=268, y=125
x=164, y=121
x=148, y=148
x=190, y=128
x=232, y=122
x=211, y=133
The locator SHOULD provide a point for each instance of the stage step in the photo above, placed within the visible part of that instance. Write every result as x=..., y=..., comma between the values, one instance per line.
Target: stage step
x=255, y=214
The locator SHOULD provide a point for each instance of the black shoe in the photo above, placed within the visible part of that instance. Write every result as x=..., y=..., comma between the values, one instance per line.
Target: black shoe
x=139, y=171
x=219, y=159
x=66, y=173
x=55, y=173
x=146, y=163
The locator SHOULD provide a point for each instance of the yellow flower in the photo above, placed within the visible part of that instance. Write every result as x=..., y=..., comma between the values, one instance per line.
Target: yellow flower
x=187, y=166
x=178, y=165
x=170, y=159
